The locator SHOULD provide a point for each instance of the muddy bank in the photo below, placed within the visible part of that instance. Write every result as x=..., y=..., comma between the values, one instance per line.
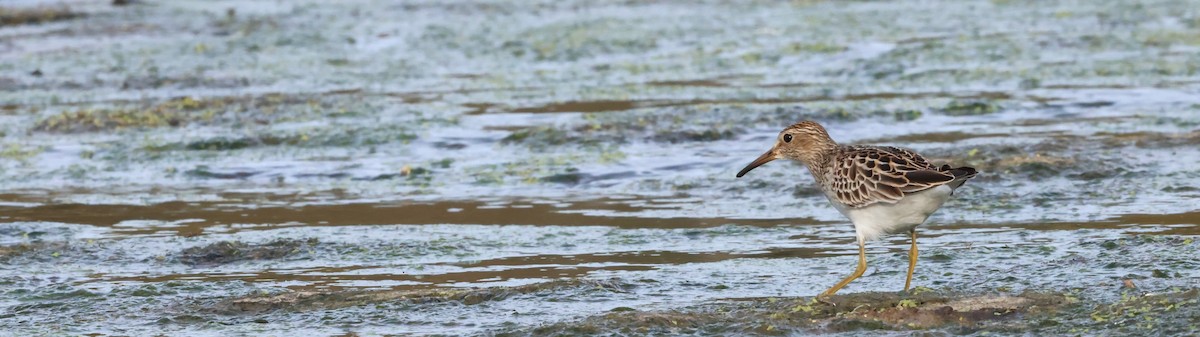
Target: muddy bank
x=1137, y=313
x=926, y=310
x=36, y=15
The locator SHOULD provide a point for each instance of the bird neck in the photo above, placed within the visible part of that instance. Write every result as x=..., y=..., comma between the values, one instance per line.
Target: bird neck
x=819, y=154
x=820, y=163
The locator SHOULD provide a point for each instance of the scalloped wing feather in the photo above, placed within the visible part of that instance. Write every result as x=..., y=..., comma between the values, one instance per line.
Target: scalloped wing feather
x=866, y=175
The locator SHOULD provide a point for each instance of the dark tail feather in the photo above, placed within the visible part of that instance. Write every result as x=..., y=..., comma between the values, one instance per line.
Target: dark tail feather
x=961, y=174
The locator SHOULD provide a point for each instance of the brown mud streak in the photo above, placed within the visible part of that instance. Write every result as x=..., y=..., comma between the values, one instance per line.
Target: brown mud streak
x=623, y=105
x=688, y=83
x=1146, y=139
x=719, y=81
x=1059, y=121
x=955, y=136
x=326, y=279
x=38, y=15
x=329, y=278
x=934, y=137
x=647, y=257
x=409, y=97
x=472, y=212
x=309, y=300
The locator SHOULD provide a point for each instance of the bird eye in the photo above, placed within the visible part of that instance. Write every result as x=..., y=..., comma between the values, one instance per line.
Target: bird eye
x=787, y=138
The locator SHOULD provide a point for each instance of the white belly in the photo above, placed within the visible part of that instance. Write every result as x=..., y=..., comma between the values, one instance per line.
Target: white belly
x=873, y=221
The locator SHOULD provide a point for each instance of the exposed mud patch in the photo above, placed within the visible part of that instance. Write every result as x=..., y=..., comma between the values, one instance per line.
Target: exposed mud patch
x=228, y=252
x=202, y=216
x=176, y=112
x=860, y=311
x=23, y=16
x=1151, y=139
x=955, y=108
x=309, y=301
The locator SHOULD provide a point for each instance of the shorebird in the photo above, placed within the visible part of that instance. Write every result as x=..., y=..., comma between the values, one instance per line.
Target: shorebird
x=881, y=189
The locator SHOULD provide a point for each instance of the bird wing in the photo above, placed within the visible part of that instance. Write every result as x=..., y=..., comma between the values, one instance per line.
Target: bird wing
x=867, y=175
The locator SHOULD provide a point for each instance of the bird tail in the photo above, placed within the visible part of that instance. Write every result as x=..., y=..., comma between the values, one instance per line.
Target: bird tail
x=961, y=174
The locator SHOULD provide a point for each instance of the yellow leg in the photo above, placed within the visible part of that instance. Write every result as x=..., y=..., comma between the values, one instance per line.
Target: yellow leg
x=862, y=267
x=912, y=260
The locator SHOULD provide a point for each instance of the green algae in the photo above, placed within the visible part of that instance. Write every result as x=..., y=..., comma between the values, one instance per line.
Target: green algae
x=1149, y=314
x=172, y=113
x=228, y=252
x=970, y=108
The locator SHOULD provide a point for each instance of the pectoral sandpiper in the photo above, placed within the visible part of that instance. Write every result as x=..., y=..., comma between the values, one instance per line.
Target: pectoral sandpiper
x=882, y=189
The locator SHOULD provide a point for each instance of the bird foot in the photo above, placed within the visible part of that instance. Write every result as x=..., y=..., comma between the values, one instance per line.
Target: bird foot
x=825, y=299
x=914, y=291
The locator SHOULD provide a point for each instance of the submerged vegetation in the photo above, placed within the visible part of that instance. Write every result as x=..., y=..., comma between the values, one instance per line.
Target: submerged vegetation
x=180, y=112
x=226, y=252
x=24, y=16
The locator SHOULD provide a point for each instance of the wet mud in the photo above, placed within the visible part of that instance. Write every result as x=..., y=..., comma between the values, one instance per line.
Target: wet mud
x=881, y=312
x=957, y=313
x=226, y=251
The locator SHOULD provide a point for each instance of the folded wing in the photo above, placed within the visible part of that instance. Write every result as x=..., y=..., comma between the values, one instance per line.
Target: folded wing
x=868, y=175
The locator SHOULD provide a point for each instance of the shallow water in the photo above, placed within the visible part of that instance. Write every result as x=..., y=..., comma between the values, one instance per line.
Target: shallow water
x=366, y=167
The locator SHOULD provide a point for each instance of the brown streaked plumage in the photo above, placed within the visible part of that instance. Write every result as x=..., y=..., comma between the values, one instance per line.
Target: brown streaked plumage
x=882, y=189
x=865, y=175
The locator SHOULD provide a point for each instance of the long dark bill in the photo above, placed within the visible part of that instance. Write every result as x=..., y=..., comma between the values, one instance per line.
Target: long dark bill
x=763, y=159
